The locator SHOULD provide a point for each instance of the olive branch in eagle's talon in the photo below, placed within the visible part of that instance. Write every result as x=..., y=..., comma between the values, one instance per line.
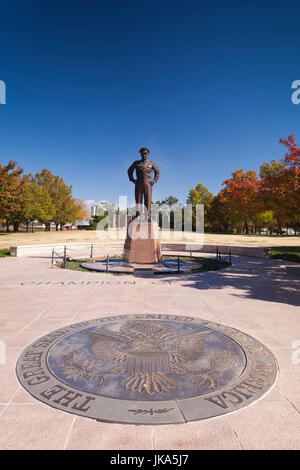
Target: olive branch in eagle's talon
x=219, y=363
x=76, y=365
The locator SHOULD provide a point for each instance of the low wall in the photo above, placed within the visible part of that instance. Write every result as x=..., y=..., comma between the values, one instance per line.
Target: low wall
x=251, y=251
x=85, y=250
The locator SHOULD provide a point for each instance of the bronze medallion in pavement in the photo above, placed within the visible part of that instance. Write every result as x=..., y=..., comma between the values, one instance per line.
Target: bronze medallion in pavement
x=147, y=369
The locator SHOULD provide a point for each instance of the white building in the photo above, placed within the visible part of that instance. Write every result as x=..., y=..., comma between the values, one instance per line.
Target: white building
x=99, y=206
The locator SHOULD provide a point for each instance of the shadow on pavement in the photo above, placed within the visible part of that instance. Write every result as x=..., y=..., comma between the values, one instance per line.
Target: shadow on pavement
x=262, y=279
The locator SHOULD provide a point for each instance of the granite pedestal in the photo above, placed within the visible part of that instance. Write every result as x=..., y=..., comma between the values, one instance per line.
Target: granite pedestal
x=142, y=244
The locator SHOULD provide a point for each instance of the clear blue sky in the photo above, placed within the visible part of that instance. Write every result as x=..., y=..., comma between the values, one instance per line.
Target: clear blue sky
x=205, y=85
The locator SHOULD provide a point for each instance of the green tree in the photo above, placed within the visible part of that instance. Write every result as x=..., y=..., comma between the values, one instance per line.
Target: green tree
x=169, y=201
x=221, y=214
x=273, y=168
x=38, y=205
x=61, y=197
x=96, y=219
x=201, y=195
x=266, y=220
x=166, y=212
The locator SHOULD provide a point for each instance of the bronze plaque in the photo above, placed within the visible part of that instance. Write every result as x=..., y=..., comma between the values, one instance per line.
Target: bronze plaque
x=147, y=369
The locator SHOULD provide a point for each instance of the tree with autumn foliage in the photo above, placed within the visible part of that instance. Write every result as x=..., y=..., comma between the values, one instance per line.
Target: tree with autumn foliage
x=200, y=195
x=83, y=212
x=270, y=174
x=280, y=186
x=38, y=205
x=13, y=187
x=222, y=214
x=66, y=208
x=43, y=197
x=292, y=157
x=248, y=203
x=242, y=189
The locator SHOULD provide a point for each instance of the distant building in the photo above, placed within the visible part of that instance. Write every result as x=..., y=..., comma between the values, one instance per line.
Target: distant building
x=89, y=203
x=98, y=206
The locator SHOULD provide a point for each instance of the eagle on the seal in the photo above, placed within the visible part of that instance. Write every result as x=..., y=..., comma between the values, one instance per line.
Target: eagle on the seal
x=147, y=351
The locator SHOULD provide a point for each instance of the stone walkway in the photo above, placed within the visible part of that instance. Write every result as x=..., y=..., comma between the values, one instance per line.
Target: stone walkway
x=259, y=297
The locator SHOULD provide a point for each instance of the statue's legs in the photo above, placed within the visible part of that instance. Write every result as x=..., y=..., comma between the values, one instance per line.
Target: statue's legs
x=138, y=192
x=148, y=198
x=143, y=190
x=138, y=195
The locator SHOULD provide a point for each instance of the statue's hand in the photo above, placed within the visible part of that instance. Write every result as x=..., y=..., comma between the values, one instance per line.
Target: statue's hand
x=133, y=181
x=152, y=183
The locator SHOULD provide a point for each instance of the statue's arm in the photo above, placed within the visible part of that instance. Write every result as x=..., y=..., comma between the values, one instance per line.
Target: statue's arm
x=156, y=173
x=130, y=172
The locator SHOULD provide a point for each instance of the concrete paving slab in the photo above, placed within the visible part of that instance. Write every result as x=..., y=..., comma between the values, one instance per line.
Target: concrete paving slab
x=214, y=434
x=33, y=426
x=92, y=435
x=268, y=424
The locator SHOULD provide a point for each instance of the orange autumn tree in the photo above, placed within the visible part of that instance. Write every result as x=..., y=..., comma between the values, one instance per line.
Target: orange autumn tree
x=223, y=214
x=13, y=186
x=280, y=186
x=291, y=182
x=243, y=192
x=293, y=156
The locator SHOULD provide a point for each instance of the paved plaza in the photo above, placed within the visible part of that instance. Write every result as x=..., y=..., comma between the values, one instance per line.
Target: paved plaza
x=257, y=296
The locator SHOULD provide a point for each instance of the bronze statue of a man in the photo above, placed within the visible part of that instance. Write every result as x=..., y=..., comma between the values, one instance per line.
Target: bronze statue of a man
x=144, y=182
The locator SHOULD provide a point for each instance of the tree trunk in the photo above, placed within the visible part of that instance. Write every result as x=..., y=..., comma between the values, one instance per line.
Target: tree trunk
x=32, y=230
x=27, y=225
x=7, y=227
x=246, y=227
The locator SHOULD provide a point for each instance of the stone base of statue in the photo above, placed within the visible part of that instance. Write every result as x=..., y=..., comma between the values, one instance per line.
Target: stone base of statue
x=142, y=243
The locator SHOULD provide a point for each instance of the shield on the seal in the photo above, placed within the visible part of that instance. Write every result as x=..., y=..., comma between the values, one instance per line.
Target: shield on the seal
x=147, y=362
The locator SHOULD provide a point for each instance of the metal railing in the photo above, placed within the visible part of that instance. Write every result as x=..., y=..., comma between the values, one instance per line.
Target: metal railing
x=69, y=255
x=219, y=257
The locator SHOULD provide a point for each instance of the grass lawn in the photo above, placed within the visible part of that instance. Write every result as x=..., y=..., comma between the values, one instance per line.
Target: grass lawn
x=207, y=264
x=4, y=252
x=291, y=253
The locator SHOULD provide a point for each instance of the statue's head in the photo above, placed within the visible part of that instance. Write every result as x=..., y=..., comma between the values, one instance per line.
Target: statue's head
x=144, y=153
